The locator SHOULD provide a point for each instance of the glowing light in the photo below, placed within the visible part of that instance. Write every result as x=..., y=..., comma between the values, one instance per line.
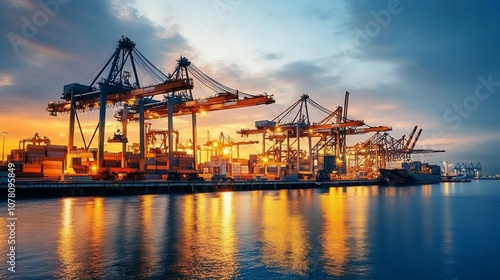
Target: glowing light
x=203, y=113
x=226, y=151
x=265, y=159
x=132, y=101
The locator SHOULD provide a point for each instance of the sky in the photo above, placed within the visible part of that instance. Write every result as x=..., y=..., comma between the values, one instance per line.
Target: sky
x=434, y=64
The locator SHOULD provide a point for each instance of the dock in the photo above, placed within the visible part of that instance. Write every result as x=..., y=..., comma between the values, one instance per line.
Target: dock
x=35, y=189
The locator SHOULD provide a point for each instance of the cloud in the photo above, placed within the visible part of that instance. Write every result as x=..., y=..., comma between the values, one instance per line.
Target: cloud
x=67, y=48
x=420, y=65
x=437, y=51
x=305, y=76
x=272, y=56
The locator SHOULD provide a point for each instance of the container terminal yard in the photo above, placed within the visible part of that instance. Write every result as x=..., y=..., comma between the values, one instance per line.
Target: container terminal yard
x=295, y=149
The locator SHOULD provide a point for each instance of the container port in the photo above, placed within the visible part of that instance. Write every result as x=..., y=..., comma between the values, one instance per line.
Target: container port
x=296, y=147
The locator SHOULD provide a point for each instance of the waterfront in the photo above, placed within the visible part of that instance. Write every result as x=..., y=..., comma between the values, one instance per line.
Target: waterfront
x=442, y=231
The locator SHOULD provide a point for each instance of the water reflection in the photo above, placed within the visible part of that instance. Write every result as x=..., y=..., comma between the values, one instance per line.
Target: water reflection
x=148, y=242
x=285, y=245
x=95, y=223
x=329, y=233
x=207, y=242
x=81, y=255
x=343, y=233
x=334, y=234
x=66, y=247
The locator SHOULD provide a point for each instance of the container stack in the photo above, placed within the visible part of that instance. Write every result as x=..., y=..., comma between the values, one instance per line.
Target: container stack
x=35, y=154
x=112, y=159
x=157, y=165
x=16, y=155
x=183, y=161
x=133, y=160
x=4, y=174
x=235, y=169
x=252, y=161
x=52, y=168
x=55, y=152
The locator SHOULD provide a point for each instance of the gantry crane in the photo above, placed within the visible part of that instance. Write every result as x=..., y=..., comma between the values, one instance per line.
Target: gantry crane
x=136, y=96
x=375, y=152
x=113, y=90
x=224, y=98
x=294, y=123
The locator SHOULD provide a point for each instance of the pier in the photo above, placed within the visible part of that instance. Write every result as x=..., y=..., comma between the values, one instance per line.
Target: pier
x=30, y=189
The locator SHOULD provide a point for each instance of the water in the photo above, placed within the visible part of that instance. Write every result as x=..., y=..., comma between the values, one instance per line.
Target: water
x=447, y=231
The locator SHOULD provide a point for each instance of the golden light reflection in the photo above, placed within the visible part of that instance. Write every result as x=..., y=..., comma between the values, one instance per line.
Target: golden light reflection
x=334, y=234
x=447, y=188
x=149, y=250
x=208, y=242
x=284, y=238
x=95, y=223
x=66, y=245
x=426, y=190
x=227, y=229
x=358, y=208
x=80, y=244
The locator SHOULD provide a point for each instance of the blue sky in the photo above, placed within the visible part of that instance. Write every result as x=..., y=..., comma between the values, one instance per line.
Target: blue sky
x=429, y=63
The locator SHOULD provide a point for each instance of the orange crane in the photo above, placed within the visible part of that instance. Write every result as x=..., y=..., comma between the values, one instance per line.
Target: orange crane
x=117, y=89
x=295, y=123
x=225, y=144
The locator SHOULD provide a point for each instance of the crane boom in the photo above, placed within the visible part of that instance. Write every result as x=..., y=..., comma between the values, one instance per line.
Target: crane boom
x=410, y=138
x=91, y=99
x=416, y=139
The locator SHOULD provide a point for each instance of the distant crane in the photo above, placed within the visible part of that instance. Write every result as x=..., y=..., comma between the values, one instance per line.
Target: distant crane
x=370, y=155
x=225, y=144
x=288, y=127
x=34, y=140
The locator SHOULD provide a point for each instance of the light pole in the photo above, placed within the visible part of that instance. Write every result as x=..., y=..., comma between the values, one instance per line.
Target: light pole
x=4, y=133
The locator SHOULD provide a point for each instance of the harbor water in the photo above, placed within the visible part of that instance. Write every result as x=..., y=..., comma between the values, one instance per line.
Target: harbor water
x=441, y=231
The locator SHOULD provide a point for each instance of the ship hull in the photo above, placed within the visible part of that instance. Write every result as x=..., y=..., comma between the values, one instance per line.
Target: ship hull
x=399, y=177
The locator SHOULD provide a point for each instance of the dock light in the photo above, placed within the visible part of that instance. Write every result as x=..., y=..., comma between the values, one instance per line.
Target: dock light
x=132, y=102
x=4, y=133
x=203, y=113
x=264, y=159
x=226, y=151
x=94, y=169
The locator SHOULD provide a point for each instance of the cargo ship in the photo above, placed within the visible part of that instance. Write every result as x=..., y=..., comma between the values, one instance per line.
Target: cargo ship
x=410, y=173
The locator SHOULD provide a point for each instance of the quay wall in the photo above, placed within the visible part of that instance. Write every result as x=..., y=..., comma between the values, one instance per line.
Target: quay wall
x=31, y=189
